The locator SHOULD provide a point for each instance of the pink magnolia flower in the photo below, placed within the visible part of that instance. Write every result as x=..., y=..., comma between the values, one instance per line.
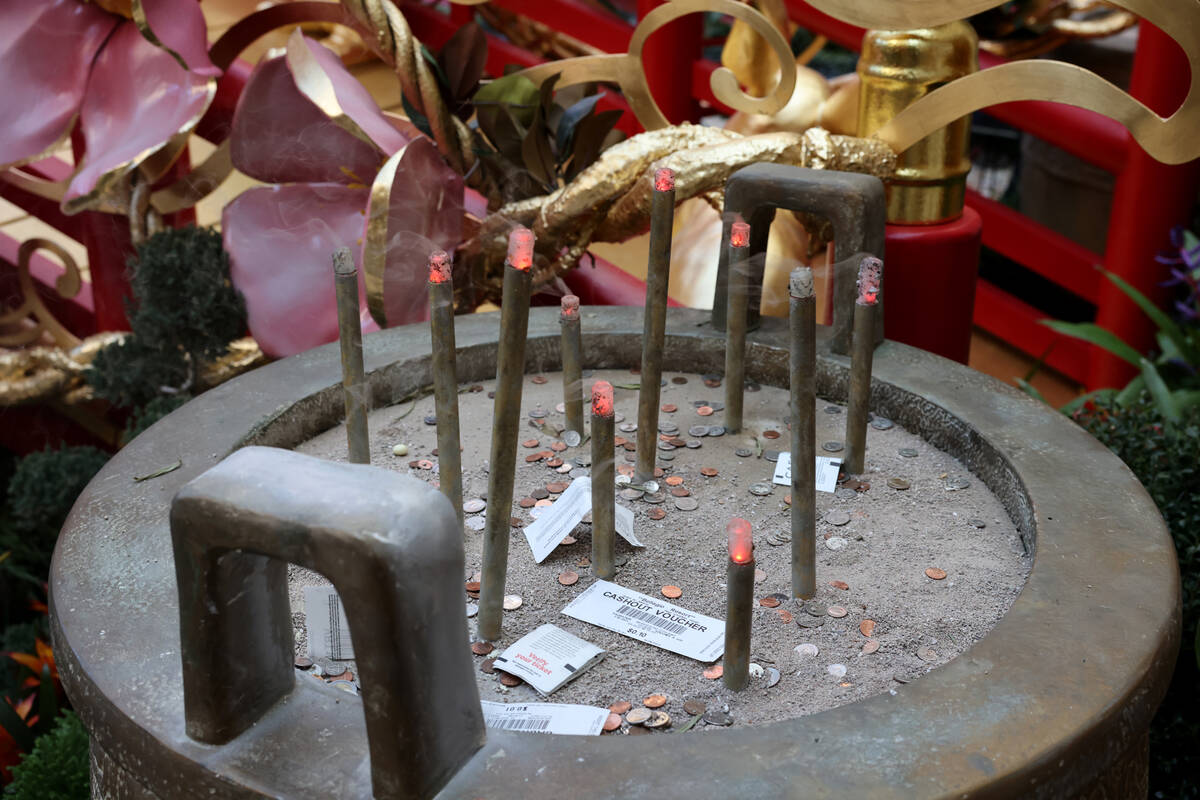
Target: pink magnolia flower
x=132, y=93
x=305, y=124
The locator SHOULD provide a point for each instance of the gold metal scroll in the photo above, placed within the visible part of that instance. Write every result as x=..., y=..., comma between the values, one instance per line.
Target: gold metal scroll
x=1171, y=140
x=625, y=69
x=32, y=309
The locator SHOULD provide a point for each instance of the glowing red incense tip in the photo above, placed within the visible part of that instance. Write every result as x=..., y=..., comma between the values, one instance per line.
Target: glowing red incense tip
x=739, y=234
x=570, y=306
x=741, y=542
x=439, y=266
x=870, y=275
x=520, y=248
x=602, y=399
x=664, y=180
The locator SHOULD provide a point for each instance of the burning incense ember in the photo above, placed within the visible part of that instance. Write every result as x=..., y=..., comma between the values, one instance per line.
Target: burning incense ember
x=602, y=399
x=570, y=306
x=739, y=234
x=439, y=267
x=520, y=248
x=664, y=180
x=741, y=541
x=870, y=274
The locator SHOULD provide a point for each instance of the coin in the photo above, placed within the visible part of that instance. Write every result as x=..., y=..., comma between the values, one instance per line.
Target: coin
x=695, y=707
x=814, y=608
x=656, y=513
x=837, y=517
x=571, y=438
x=935, y=573
x=568, y=578
x=881, y=424
x=527, y=502
x=568, y=540
x=785, y=616
x=531, y=458
x=556, y=487
x=716, y=430
x=870, y=646
x=760, y=575
x=674, y=480
x=613, y=722
x=833, y=409
x=659, y=719
x=530, y=443
x=927, y=653
x=671, y=592
x=867, y=627
x=627, y=427
x=760, y=489
x=482, y=648
x=686, y=503
x=666, y=426
x=708, y=472
x=839, y=584
x=806, y=650
x=303, y=663
x=638, y=716
x=620, y=707
x=772, y=677
x=630, y=494
x=512, y=602
x=908, y=452
x=718, y=718
x=516, y=522
x=771, y=455
x=705, y=411
x=666, y=446
x=670, y=408
x=832, y=447
x=431, y=419
x=474, y=506
x=835, y=543
x=837, y=612
x=714, y=672
x=836, y=670
x=558, y=447
x=679, y=380
x=768, y=602
x=665, y=456
x=698, y=430
x=717, y=406
x=539, y=494
x=898, y=483
x=976, y=522
x=555, y=463
x=487, y=666
x=654, y=498
x=955, y=484
x=538, y=379
x=655, y=701
x=471, y=586
x=743, y=452
x=772, y=434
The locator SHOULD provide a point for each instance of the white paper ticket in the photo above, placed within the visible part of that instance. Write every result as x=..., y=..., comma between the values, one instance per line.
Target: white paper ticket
x=545, y=718
x=328, y=631
x=650, y=620
x=558, y=519
x=827, y=472
x=548, y=657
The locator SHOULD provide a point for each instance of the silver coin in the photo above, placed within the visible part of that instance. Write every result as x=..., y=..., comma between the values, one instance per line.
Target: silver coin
x=717, y=406
x=833, y=409
x=806, y=650
x=698, y=430
x=718, y=718
x=774, y=541
x=881, y=424
x=512, y=602
x=686, y=503
x=837, y=670
x=431, y=419
x=908, y=452
x=474, y=506
x=666, y=456
x=618, y=418
x=716, y=430
x=564, y=468
x=571, y=438
x=630, y=494
x=655, y=498
x=837, y=517
x=742, y=452
x=781, y=597
x=650, y=486
x=835, y=543
x=537, y=413
x=627, y=427
x=666, y=446
x=577, y=472
x=583, y=459
x=805, y=621
x=698, y=403
x=771, y=455
x=976, y=522
x=760, y=489
x=623, y=480
x=693, y=444
x=472, y=609
x=832, y=447
x=842, y=493
x=667, y=427
x=752, y=386
x=927, y=653
x=476, y=523
x=955, y=484
x=814, y=608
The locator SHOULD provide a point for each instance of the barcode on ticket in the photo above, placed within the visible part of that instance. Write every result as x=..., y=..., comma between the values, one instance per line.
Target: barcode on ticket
x=641, y=616
x=531, y=724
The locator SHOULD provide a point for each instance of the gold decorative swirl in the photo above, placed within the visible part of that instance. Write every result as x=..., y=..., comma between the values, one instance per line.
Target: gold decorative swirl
x=626, y=70
x=1171, y=140
x=32, y=309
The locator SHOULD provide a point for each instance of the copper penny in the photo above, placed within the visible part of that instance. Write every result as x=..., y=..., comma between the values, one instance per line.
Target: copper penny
x=674, y=480
x=656, y=513
x=557, y=447
x=768, y=602
x=530, y=443
x=658, y=472
x=613, y=722
x=425, y=463
x=709, y=472
x=787, y=500
x=472, y=586
x=543, y=503
x=557, y=487
x=620, y=707
x=527, y=502
x=583, y=562
x=529, y=459
x=935, y=573
x=538, y=379
x=714, y=672
x=487, y=666
x=516, y=522
x=568, y=578
x=867, y=627
x=554, y=463
x=695, y=707
x=510, y=680
x=625, y=469
x=569, y=540
x=679, y=491
x=671, y=593
x=619, y=441
x=712, y=383
x=870, y=646
x=629, y=447
x=705, y=411
x=784, y=614
x=771, y=434
x=655, y=701
x=482, y=648
x=839, y=584
x=670, y=408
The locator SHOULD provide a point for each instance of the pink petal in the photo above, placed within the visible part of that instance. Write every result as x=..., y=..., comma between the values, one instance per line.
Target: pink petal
x=137, y=98
x=280, y=136
x=475, y=204
x=179, y=25
x=356, y=101
x=46, y=51
x=425, y=213
x=281, y=241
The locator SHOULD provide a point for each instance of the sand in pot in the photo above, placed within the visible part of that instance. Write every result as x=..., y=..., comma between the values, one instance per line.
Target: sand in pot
x=916, y=559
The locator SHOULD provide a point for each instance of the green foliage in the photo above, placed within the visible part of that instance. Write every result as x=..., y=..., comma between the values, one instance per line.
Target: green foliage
x=40, y=495
x=185, y=311
x=1165, y=456
x=145, y=416
x=57, y=769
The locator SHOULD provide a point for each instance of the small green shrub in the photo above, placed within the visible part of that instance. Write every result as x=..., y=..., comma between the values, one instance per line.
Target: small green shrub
x=152, y=412
x=57, y=768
